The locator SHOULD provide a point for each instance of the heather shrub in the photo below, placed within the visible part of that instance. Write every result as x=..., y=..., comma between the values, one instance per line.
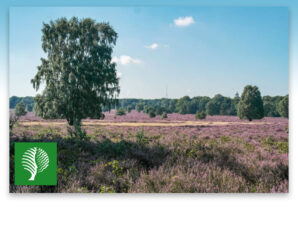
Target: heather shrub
x=47, y=133
x=141, y=139
x=235, y=158
x=188, y=177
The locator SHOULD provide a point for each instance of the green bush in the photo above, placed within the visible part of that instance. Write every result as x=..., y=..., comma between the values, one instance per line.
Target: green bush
x=200, y=115
x=120, y=112
x=164, y=115
x=152, y=114
x=20, y=110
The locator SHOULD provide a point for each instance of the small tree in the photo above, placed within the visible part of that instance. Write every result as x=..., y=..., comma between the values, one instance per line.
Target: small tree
x=200, y=115
x=283, y=107
x=78, y=72
x=251, y=104
x=20, y=110
x=164, y=115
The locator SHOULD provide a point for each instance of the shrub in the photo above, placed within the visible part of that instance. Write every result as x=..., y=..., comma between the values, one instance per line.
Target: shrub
x=120, y=112
x=164, y=115
x=159, y=110
x=200, y=115
x=152, y=114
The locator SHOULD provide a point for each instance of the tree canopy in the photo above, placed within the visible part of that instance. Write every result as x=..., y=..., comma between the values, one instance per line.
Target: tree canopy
x=20, y=110
x=79, y=77
x=283, y=107
x=251, y=104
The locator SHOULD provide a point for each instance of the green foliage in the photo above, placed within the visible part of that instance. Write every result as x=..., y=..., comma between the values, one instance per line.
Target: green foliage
x=29, y=107
x=27, y=101
x=212, y=108
x=141, y=139
x=77, y=134
x=159, y=110
x=129, y=108
x=270, y=109
x=79, y=75
x=183, y=105
x=117, y=169
x=106, y=189
x=271, y=143
x=219, y=105
x=20, y=110
x=251, y=104
x=139, y=107
x=47, y=133
x=152, y=114
x=120, y=112
x=283, y=107
x=164, y=115
x=200, y=115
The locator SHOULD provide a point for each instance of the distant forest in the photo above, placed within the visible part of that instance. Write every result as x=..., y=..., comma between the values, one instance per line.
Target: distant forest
x=218, y=105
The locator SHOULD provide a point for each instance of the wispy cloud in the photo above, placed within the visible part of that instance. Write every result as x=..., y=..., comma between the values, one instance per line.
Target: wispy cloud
x=153, y=46
x=184, y=21
x=125, y=60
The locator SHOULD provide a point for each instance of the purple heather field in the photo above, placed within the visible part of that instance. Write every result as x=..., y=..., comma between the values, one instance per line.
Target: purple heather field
x=138, y=154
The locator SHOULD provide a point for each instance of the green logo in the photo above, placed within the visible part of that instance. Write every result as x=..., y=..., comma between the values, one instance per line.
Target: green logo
x=35, y=163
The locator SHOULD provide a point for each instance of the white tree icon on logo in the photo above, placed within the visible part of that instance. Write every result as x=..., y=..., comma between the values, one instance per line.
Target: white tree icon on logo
x=35, y=160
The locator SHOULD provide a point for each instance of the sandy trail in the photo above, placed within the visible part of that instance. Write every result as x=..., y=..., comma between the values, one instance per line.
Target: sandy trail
x=137, y=124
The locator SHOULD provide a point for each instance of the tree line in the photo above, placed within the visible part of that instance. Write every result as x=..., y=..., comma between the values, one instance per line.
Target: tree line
x=217, y=105
x=273, y=106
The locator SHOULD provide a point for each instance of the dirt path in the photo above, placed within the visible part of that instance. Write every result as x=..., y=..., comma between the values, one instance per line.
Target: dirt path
x=137, y=124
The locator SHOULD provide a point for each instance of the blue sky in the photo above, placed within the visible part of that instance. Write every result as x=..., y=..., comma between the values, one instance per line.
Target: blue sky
x=208, y=50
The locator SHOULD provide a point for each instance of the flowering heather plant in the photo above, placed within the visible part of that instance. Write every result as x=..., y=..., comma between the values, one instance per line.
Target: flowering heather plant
x=223, y=154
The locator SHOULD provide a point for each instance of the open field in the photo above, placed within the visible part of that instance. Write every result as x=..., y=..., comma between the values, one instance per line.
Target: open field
x=135, y=153
x=141, y=124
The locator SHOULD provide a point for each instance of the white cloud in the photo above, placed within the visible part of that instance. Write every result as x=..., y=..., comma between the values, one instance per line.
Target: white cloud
x=125, y=60
x=184, y=21
x=153, y=46
x=119, y=74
